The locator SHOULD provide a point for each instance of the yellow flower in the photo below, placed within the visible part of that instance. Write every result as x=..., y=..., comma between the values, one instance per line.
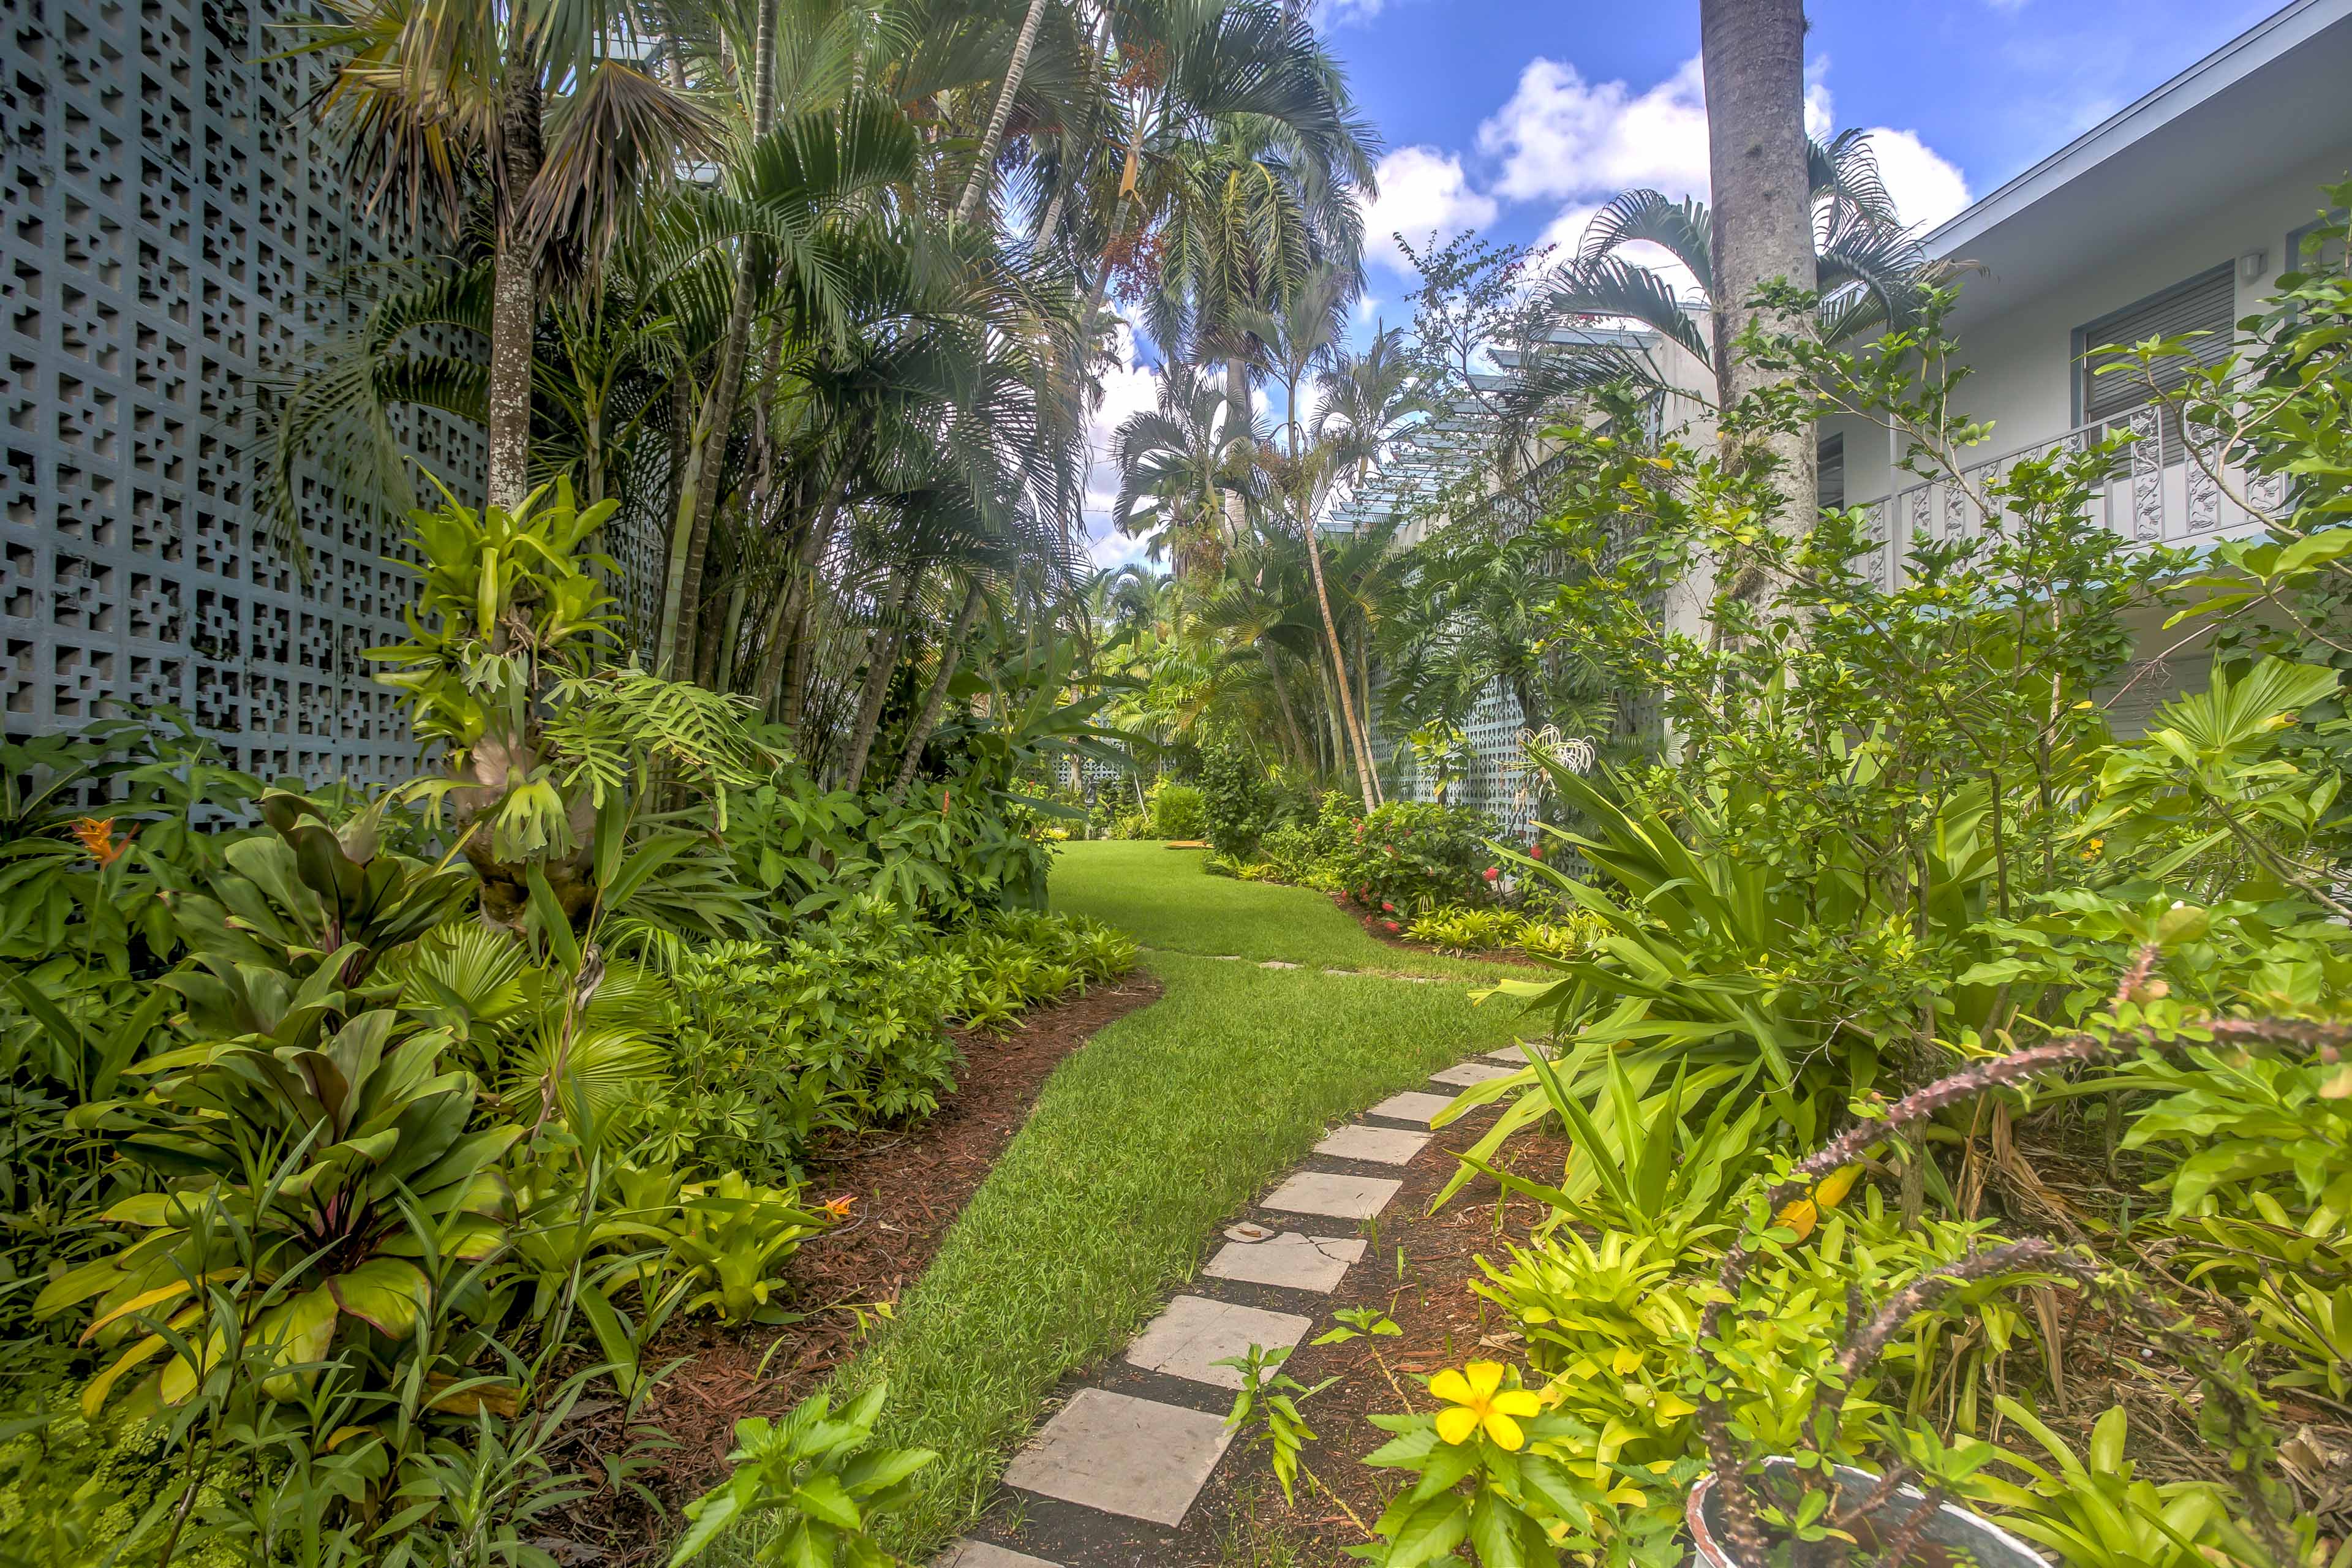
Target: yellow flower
x=1806, y=1213
x=1475, y=1397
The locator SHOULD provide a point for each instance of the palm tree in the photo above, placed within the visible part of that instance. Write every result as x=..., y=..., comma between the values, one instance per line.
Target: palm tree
x=1368, y=398
x=1753, y=54
x=984, y=161
x=1868, y=267
x=542, y=113
x=1176, y=465
x=1180, y=74
x=1300, y=341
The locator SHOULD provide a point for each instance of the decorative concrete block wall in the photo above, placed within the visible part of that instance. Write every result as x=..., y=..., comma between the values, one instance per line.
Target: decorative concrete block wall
x=172, y=229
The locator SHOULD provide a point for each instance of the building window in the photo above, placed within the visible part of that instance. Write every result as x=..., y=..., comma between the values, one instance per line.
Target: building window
x=1829, y=464
x=2207, y=304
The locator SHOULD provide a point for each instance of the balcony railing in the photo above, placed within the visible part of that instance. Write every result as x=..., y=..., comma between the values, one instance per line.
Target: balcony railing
x=2160, y=496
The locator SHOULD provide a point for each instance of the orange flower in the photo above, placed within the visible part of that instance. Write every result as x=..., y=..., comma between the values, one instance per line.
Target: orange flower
x=97, y=836
x=839, y=1208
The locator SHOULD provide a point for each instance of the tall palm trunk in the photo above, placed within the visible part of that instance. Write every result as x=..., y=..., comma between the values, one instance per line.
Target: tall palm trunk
x=514, y=280
x=882, y=657
x=977, y=186
x=935, y=700
x=1753, y=54
x=1339, y=668
x=1236, y=429
x=1295, y=740
x=782, y=691
x=691, y=534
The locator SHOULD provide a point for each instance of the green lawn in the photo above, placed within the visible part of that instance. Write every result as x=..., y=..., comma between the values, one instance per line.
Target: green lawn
x=1142, y=1142
x=1161, y=897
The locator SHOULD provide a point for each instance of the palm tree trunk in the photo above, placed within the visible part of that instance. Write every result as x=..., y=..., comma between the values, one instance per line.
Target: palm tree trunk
x=1338, y=666
x=1295, y=740
x=1236, y=429
x=1753, y=55
x=691, y=539
x=935, y=700
x=804, y=559
x=882, y=657
x=514, y=280
x=1364, y=715
x=731, y=634
x=1123, y=207
x=977, y=186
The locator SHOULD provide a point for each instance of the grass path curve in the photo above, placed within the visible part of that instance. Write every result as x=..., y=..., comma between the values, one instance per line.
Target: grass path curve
x=1145, y=1140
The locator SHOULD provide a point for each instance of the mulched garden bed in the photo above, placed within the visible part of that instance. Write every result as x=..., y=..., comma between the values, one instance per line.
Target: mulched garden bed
x=907, y=1187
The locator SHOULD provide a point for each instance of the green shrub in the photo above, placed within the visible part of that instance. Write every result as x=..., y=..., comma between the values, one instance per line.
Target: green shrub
x=839, y=1027
x=1021, y=960
x=1177, y=810
x=1408, y=858
x=1239, y=801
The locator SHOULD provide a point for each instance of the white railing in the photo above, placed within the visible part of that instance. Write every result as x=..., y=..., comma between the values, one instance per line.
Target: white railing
x=2150, y=501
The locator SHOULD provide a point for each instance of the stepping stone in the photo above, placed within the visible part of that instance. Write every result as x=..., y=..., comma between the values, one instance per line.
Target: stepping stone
x=1194, y=1334
x=1277, y=963
x=1380, y=1146
x=1410, y=1107
x=1469, y=1073
x=1343, y=1197
x=1294, y=1261
x=980, y=1554
x=1513, y=1059
x=1135, y=1457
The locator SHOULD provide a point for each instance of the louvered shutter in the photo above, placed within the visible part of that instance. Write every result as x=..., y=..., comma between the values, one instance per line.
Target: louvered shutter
x=2207, y=304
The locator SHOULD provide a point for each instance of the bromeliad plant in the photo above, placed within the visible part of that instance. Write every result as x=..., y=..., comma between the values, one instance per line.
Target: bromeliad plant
x=329, y=1184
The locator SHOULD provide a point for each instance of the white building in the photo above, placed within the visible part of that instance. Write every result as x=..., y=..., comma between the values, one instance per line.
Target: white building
x=2176, y=214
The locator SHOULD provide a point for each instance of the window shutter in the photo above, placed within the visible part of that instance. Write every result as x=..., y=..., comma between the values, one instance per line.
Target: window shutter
x=2207, y=304
x=1829, y=471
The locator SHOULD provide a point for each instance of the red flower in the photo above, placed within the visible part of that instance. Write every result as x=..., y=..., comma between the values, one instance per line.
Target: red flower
x=1491, y=872
x=1535, y=852
x=1387, y=908
x=1389, y=926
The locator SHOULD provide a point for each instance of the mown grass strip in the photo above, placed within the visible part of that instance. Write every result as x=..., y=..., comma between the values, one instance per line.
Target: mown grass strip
x=1161, y=897
x=1142, y=1142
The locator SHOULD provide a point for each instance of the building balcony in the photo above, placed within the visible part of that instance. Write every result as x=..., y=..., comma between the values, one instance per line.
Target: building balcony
x=2162, y=494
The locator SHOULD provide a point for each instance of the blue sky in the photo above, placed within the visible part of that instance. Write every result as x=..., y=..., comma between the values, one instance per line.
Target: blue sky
x=1518, y=116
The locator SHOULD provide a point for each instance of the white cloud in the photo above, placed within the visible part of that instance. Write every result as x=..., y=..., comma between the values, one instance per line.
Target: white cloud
x=1927, y=187
x=1562, y=136
x=1128, y=389
x=1424, y=195
x=1820, y=124
x=1112, y=548
x=1339, y=12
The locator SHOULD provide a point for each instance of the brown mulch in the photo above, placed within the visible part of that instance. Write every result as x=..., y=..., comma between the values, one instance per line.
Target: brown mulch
x=907, y=1186
x=1443, y=1325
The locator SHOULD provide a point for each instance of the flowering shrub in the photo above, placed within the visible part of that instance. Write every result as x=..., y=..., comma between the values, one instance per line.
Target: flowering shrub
x=1407, y=858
